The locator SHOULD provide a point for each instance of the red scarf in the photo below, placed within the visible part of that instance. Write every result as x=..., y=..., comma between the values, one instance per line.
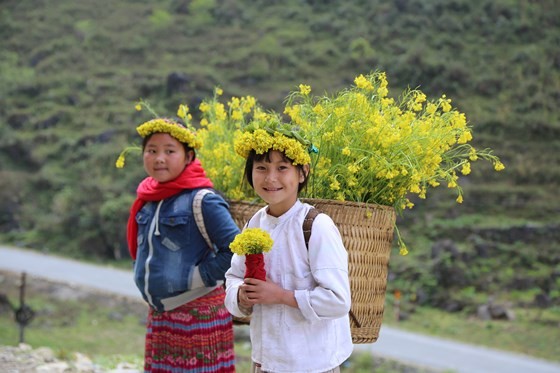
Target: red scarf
x=193, y=176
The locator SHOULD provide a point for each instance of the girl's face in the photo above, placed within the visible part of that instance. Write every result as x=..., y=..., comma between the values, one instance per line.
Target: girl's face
x=165, y=157
x=276, y=181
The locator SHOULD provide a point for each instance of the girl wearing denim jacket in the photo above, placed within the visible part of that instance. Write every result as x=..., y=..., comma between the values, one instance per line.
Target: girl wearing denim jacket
x=178, y=275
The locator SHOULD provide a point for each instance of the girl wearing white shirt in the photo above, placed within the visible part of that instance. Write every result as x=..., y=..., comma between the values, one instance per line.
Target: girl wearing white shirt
x=299, y=317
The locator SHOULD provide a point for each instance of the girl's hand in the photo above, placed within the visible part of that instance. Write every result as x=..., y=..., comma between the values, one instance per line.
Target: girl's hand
x=243, y=301
x=266, y=292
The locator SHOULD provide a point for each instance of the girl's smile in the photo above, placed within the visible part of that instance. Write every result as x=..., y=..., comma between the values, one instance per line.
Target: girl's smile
x=276, y=181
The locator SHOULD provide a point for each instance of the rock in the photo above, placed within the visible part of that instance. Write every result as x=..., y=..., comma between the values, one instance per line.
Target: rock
x=542, y=300
x=483, y=312
x=501, y=312
x=125, y=368
x=44, y=353
x=402, y=316
x=491, y=311
x=177, y=82
x=83, y=363
x=58, y=367
x=25, y=359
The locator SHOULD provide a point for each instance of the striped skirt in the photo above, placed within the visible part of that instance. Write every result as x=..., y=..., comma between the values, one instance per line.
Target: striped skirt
x=195, y=337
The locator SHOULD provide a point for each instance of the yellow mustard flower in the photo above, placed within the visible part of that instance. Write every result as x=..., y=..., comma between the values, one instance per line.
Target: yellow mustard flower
x=120, y=161
x=204, y=107
x=499, y=166
x=353, y=168
x=251, y=241
x=183, y=111
x=335, y=185
x=363, y=83
x=304, y=89
x=472, y=154
x=445, y=104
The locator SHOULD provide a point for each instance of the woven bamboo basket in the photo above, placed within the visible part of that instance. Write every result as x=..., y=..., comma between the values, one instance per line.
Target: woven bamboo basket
x=367, y=233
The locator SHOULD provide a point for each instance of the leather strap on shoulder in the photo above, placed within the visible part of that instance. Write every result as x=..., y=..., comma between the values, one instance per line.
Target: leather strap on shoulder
x=308, y=224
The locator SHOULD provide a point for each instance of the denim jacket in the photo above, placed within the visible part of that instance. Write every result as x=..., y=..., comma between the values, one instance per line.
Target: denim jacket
x=174, y=264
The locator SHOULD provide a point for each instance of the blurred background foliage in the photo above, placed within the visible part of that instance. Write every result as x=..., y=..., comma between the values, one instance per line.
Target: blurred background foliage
x=71, y=71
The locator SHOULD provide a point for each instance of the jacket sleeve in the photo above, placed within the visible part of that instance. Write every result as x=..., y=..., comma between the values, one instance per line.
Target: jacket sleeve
x=222, y=230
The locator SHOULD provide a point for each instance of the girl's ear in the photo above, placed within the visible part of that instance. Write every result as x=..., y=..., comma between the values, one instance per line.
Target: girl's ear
x=304, y=173
x=189, y=157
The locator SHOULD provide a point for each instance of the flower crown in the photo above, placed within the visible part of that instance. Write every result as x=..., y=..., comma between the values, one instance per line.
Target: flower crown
x=173, y=128
x=183, y=133
x=269, y=133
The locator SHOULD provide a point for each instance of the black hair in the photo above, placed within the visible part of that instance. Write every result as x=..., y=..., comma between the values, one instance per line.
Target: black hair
x=187, y=147
x=254, y=157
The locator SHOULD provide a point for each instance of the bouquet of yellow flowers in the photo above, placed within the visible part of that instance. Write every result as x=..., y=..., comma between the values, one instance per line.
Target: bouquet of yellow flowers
x=376, y=149
x=252, y=243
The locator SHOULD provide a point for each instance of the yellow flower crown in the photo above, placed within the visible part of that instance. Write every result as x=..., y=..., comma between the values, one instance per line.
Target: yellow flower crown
x=183, y=133
x=273, y=135
x=173, y=128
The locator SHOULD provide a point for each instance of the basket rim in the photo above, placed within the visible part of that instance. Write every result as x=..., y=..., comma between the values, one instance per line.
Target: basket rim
x=370, y=205
x=313, y=201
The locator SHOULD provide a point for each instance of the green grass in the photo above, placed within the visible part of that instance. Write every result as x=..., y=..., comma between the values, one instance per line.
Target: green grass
x=106, y=333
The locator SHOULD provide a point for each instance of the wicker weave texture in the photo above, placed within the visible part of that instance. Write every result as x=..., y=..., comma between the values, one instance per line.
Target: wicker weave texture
x=367, y=233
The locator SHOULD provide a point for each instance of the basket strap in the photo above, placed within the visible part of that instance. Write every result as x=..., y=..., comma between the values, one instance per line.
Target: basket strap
x=308, y=223
x=199, y=218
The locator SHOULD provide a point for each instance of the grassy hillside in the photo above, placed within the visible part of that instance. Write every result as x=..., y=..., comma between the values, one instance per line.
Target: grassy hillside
x=70, y=72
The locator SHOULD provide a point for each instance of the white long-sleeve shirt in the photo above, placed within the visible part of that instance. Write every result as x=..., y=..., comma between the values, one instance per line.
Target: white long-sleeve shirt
x=315, y=337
